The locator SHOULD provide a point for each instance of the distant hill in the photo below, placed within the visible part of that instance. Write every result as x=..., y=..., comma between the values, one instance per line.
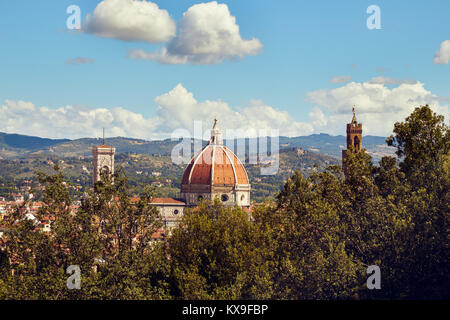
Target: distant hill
x=18, y=141
x=19, y=146
x=155, y=170
x=333, y=145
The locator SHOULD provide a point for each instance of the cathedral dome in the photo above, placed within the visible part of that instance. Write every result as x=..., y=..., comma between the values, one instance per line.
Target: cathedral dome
x=215, y=165
x=216, y=171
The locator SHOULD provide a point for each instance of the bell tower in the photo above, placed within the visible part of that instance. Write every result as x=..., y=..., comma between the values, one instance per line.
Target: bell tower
x=103, y=160
x=354, y=138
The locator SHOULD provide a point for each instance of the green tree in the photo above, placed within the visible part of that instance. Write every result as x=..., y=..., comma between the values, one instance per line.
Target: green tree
x=217, y=253
x=125, y=226
x=40, y=259
x=118, y=263
x=423, y=145
x=313, y=260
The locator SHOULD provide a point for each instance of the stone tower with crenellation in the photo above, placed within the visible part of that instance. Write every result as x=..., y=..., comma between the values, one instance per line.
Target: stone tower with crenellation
x=354, y=139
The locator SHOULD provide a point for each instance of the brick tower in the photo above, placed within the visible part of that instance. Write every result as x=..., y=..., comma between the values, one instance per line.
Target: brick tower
x=354, y=139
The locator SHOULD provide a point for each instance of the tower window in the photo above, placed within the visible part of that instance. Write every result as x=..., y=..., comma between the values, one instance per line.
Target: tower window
x=175, y=211
x=225, y=198
x=200, y=198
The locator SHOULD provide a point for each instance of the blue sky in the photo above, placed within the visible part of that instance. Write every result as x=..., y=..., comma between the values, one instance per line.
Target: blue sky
x=304, y=45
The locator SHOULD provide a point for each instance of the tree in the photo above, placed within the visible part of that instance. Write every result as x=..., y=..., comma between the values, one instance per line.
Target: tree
x=421, y=141
x=125, y=226
x=423, y=145
x=40, y=259
x=217, y=253
x=117, y=264
x=313, y=262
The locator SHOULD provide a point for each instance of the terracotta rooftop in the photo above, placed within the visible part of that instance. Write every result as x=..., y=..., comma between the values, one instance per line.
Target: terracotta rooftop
x=167, y=200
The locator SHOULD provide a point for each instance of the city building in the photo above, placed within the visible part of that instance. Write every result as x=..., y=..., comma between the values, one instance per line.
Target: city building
x=215, y=172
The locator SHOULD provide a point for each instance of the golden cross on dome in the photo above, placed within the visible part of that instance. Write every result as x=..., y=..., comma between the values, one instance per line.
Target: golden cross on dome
x=215, y=121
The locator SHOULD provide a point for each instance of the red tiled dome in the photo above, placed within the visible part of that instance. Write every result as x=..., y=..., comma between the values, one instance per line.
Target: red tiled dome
x=215, y=165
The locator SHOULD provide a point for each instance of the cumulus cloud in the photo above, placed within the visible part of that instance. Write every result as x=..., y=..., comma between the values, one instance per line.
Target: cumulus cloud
x=177, y=109
x=378, y=107
x=130, y=20
x=79, y=60
x=207, y=34
x=340, y=79
x=71, y=122
x=443, y=55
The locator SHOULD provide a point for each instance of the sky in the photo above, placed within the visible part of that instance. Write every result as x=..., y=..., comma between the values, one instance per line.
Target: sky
x=145, y=69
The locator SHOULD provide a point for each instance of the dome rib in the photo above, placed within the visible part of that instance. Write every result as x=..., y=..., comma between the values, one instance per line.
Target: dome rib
x=241, y=166
x=232, y=165
x=194, y=164
x=212, y=164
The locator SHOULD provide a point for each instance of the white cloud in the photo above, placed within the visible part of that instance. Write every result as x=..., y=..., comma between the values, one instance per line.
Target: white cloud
x=207, y=34
x=79, y=60
x=340, y=79
x=443, y=55
x=72, y=122
x=130, y=20
x=177, y=109
x=378, y=107
x=318, y=118
x=393, y=81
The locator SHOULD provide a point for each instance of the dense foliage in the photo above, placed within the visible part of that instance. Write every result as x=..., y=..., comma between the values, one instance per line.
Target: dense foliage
x=314, y=242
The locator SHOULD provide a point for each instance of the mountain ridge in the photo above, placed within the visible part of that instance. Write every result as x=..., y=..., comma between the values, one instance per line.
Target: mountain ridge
x=19, y=146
